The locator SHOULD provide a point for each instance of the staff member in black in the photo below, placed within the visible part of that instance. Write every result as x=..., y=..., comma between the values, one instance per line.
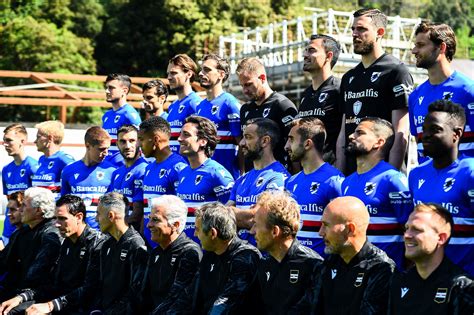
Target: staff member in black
x=173, y=264
x=226, y=281
x=435, y=285
x=356, y=274
x=286, y=272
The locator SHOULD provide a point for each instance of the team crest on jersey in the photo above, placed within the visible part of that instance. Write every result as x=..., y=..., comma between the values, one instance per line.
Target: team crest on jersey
x=420, y=100
x=50, y=165
x=369, y=188
x=266, y=111
x=314, y=187
x=441, y=295
x=294, y=275
x=181, y=108
x=359, y=280
x=22, y=172
x=100, y=175
x=123, y=254
x=375, y=76
x=127, y=177
x=82, y=252
x=350, y=79
x=173, y=260
x=162, y=173
x=447, y=95
x=214, y=109
x=322, y=97
x=259, y=181
x=198, y=179
x=356, y=107
x=87, y=201
x=448, y=184
x=116, y=119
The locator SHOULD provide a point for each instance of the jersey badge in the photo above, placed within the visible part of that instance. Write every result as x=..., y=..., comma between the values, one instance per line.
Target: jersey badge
x=76, y=175
x=404, y=292
x=123, y=254
x=100, y=175
x=116, y=119
x=350, y=79
x=268, y=275
x=448, y=95
x=127, y=177
x=420, y=183
x=197, y=180
x=294, y=275
x=420, y=100
x=214, y=109
x=441, y=295
x=181, y=108
x=173, y=260
x=50, y=165
x=105, y=119
x=314, y=187
x=356, y=107
x=448, y=184
x=333, y=273
x=322, y=97
x=266, y=111
x=369, y=188
x=259, y=181
x=359, y=279
x=22, y=172
x=82, y=252
x=9, y=174
x=162, y=172
x=375, y=76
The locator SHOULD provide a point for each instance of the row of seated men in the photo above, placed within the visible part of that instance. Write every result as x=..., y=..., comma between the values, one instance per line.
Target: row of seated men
x=55, y=262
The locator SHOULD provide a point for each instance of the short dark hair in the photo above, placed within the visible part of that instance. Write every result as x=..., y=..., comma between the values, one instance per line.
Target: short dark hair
x=312, y=128
x=17, y=196
x=161, y=88
x=439, y=33
x=206, y=130
x=74, y=204
x=126, y=129
x=384, y=129
x=266, y=127
x=122, y=78
x=222, y=64
x=379, y=19
x=95, y=135
x=329, y=44
x=186, y=63
x=218, y=216
x=455, y=111
x=154, y=124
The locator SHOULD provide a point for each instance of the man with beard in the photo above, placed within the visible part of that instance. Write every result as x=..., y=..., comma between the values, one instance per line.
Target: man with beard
x=435, y=46
x=117, y=86
x=317, y=184
x=321, y=99
x=181, y=71
x=154, y=94
x=260, y=138
x=264, y=103
x=355, y=276
x=204, y=180
x=381, y=187
x=447, y=180
x=223, y=109
x=376, y=87
x=18, y=174
x=128, y=179
x=161, y=176
x=90, y=177
x=48, y=140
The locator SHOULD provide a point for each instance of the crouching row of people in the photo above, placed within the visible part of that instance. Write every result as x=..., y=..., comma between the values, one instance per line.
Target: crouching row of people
x=56, y=263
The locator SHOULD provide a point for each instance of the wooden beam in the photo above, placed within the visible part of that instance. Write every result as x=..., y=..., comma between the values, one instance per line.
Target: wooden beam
x=58, y=102
x=58, y=94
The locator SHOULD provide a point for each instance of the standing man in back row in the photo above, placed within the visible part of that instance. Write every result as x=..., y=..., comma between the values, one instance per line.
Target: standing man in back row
x=264, y=103
x=377, y=87
x=117, y=86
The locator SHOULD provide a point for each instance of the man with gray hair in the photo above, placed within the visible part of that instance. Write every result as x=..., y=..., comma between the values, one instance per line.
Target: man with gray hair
x=173, y=264
x=122, y=258
x=30, y=255
x=226, y=281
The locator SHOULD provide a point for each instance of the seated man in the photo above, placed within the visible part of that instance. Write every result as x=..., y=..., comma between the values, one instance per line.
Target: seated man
x=435, y=285
x=15, y=201
x=226, y=281
x=76, y=270
x=30, y=255
x=174, y=262
x=355, y=276
x=286, y=272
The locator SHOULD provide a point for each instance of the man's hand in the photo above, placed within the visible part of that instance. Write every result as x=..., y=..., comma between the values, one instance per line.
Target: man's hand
x=40, y=308
x=10, y=304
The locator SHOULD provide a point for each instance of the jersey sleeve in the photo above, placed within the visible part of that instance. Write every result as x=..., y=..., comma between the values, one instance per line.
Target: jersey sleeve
x=400, y=197
x=223, y=183
x=375, y=298
x=4, y=181
x=411, y=103
x=401, y=85
x=335, y=186
x=276, y=181
x=65, y=187
x=138, y=186
x=134, y=117
x=233, y=115
x=289, y=113
x=32, y=168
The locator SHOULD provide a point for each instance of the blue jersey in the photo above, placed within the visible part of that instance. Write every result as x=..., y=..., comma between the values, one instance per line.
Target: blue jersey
x=253, y=183
x=313, y=192
x=49, y=171
x=457, y=88
x=224, y=111
x=453, y=188
x=89, y=183
x=384, y=191
x=16, y=178
x=178, y=111
x=128, y=181
x=209, y=182
x=160, y=179
x=114, y=119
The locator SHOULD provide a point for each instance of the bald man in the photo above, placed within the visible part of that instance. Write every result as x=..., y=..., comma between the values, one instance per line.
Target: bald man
x=356, y=274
